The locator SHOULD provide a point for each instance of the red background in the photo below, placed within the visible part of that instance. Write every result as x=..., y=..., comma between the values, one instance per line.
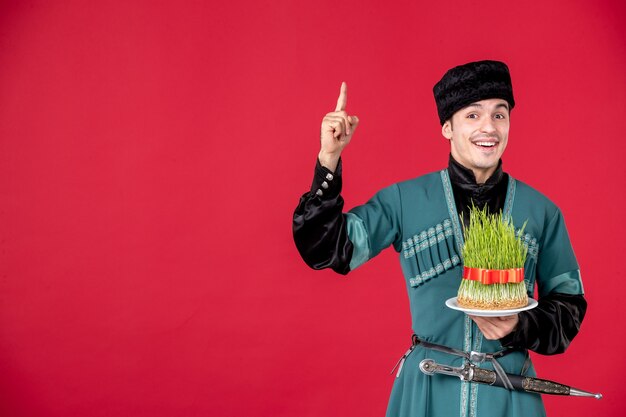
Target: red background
x=152, y=154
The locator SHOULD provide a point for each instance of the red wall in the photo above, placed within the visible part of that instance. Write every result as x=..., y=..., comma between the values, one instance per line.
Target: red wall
x=152, y=154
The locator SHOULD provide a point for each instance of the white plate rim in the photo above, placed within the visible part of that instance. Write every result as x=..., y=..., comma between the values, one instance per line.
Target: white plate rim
x=453, y=304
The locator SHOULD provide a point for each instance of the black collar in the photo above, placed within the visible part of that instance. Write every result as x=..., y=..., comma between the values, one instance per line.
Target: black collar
x=468, y=192
x=465, y=177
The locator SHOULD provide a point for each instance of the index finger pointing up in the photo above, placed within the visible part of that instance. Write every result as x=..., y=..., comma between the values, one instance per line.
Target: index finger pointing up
x=343, y=97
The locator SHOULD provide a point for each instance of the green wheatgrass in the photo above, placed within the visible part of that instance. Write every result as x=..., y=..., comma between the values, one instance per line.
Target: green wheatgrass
x=491, y=243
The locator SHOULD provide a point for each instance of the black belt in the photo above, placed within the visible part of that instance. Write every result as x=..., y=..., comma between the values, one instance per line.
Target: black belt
x=472, y=356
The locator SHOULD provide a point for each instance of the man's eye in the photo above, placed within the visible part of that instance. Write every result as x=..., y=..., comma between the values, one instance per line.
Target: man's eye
x=499, y=116
x=472, y=116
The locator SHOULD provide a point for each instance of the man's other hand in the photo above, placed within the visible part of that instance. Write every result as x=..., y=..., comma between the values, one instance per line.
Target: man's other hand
x=495, y=328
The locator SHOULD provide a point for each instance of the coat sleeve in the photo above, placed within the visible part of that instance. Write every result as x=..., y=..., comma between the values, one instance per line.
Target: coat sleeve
x=550, y=327
x=328, y=238
x=319, y=226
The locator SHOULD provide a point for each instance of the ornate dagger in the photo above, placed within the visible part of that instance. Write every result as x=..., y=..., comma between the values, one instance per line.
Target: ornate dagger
x=473, y=373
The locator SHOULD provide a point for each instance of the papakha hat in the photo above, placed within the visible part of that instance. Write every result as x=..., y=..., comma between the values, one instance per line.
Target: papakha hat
x=471, y=82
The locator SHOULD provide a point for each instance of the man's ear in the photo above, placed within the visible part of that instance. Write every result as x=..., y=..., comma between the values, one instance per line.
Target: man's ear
x=446, y=129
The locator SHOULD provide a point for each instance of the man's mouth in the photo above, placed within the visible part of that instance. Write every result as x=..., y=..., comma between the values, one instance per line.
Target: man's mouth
x=486, y=144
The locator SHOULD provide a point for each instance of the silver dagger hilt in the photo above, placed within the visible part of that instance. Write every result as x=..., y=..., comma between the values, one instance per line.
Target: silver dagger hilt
x=430, y=367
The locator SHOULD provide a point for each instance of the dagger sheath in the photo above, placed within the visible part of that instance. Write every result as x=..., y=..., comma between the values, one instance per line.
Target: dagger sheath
x=520, y=383
x=472, y=373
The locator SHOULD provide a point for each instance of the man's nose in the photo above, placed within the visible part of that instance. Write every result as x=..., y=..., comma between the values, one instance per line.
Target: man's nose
x=487, y=125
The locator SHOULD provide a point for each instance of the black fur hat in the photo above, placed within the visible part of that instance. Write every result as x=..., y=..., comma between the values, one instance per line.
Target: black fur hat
x=472, y=82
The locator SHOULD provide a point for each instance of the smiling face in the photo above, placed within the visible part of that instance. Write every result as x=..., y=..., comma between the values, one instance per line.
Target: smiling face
x=478, y=135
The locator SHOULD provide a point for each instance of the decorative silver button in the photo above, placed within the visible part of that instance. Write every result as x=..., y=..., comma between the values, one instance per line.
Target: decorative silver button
x=329, y=177
x=319, y=192
x=325, y=185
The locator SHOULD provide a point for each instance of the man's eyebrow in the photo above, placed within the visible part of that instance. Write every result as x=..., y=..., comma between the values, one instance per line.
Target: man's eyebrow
x=480, y=106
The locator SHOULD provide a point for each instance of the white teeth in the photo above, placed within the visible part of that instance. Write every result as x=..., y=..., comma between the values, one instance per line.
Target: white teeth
x=489, y=144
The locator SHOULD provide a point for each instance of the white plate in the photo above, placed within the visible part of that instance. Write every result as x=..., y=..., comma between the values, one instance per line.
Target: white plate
x=452, y=303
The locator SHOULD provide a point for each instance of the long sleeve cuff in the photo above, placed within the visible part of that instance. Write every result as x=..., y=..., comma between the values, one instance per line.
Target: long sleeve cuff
x=326, y=184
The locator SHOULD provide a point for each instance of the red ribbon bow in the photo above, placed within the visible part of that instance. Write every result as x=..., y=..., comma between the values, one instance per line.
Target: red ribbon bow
x=494, y=276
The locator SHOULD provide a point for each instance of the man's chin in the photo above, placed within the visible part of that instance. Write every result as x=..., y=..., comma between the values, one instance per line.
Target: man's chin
x=486, y=161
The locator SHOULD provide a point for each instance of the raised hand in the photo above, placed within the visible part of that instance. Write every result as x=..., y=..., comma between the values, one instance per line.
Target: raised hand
x=337, y=130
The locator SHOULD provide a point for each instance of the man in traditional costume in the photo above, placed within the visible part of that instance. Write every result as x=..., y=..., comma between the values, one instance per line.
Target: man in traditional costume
x=421, y=218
